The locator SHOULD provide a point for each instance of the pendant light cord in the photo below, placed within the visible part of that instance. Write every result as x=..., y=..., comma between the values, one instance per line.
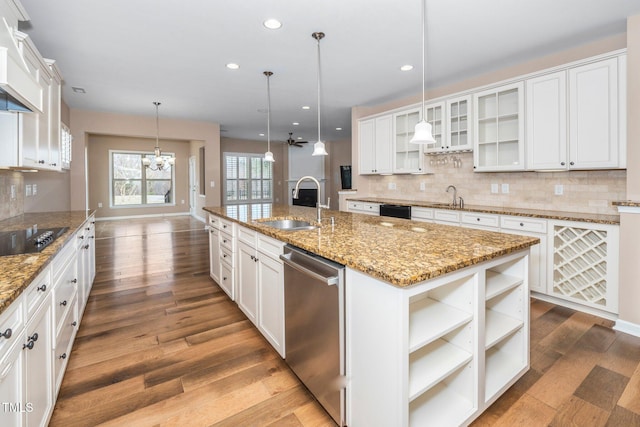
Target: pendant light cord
x=318, y=36
x=268, y=73
x=424, y=12
x=157, y=104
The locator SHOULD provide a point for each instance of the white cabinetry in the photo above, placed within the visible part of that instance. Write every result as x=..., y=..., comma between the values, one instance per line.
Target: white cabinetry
x=228, y=257
x=12, y=364
x=499, y=136
x=451, y=125
x=261, y=284
x=86, y=261
x=363, y=207
x=422, y=214
x=214, y=251
x=467, y=342
x=585, y=263
x=538, y=253
x=375, y=149
x=481, y=221
x=408, y=157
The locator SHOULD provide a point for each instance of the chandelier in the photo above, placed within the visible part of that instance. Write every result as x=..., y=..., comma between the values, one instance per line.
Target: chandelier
x=159, y=162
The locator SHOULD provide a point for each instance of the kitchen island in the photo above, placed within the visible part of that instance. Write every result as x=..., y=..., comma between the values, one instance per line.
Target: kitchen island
x=437, y=323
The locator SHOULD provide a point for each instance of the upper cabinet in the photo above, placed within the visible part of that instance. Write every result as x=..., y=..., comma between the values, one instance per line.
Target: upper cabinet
x=499, y=137
x=451, y=125
x=407, y=157
x=375, y=145
x=575, y=119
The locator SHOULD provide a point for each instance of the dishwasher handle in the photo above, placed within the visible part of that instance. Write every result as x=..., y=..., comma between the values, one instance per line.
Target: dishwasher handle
x=330, y=280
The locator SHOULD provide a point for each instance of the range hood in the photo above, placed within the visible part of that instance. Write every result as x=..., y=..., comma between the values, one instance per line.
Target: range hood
x=16, y=79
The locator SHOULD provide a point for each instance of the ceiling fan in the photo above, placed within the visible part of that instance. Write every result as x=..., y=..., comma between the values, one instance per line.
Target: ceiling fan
x=293, y=142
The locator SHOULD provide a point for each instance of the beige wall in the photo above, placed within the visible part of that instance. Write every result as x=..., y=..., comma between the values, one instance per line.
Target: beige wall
x=280, y=153
x=200, y=200
x=630, y=222
x=53, y=192
x=339, y=155
x=591, y=191
x=98, y=164
x=85, y=123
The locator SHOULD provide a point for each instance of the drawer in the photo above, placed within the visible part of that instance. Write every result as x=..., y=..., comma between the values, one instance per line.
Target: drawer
x=64, y=292
x=485, y=220
x=226, y=255
x=534, y=225
x=11, y=324
x=446, y=216
x=355, y=206
x=66, y=253
x=214, y=222
x=247, y=235
x=270, y=247
x=227, y=227
x=37, y=291
x=226, y=276
x=226, y=241
x=64, y=342
x=372, y=208
x=421, y=214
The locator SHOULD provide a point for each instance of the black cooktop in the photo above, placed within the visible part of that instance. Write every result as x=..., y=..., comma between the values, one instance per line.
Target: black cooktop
x=28, y=241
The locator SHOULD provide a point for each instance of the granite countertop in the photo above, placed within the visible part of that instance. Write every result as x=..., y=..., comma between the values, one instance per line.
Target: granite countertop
x=628, y=203
x=397, y=251
x=533, y=213
x=18, y=271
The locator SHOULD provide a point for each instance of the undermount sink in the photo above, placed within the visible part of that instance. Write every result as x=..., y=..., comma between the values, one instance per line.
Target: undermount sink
x=289, y=224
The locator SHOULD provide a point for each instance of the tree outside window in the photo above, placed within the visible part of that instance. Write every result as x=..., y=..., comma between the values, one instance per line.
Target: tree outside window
x=132, y=184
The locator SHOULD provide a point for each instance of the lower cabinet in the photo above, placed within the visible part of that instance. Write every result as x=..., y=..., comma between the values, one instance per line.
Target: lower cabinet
x=538, y=253
x=363, y=208
x=214, y=256
x=248, y=280
x=467, y=343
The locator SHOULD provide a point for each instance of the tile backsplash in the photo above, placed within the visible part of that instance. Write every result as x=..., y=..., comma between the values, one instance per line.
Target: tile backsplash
x=11, y=202
x=582, y=191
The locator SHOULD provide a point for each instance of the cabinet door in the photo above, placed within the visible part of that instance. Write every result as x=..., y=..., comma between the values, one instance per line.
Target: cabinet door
x=407, y=157
x=384, y=130
x=435, y=116
x=214, y=255
x=547, y=122
x=38, y=373
x=44, y=125
x=367, y=137
x=458, y=124
x=12, y=386
x=271, y=297
x=593, y=115
x=499, y=133
x=248, y=281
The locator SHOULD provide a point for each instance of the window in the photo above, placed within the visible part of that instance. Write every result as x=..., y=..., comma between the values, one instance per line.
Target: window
x=66, y=141
x=248, y=178
x=132, y=184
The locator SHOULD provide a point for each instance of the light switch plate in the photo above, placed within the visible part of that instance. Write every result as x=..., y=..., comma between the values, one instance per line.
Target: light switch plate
x=392, y=186
x=34, y=189
x=13, y=191
x=559, y=190
x=494, y=189
x=423, y=186
x=505, y=188
x=27, y=190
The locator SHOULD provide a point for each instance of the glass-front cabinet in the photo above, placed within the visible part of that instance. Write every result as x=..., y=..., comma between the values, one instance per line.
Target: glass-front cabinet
x=435, y=116
x=459, y=136
x=407, y=157
x=499, y=136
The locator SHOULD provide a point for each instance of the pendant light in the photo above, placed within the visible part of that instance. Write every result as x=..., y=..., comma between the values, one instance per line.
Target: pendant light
x=422, y=134
x=160, y=162
x=318, y=147
x=268, y=156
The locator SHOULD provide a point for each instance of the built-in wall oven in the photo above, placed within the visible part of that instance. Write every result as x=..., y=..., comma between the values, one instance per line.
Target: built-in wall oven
x=315, y=325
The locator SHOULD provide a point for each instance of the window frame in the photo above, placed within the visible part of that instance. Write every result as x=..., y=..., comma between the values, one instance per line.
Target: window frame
x=249, y=179
x=143, y=181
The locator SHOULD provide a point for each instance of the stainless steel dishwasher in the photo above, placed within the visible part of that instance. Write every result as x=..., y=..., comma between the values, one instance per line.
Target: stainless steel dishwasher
x=314, y=326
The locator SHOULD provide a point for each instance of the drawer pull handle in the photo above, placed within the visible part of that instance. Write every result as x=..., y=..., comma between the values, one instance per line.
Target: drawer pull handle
x=42, y=288
x=28, y=345
x=86, y=246
x=80, y=237
x=7, y=333
x=33, y=337
x=477, y=219
x=64, y=303
x=74, y=323
x=224, y=255
x=522, y=224
x=74, y=281
x=63, y=356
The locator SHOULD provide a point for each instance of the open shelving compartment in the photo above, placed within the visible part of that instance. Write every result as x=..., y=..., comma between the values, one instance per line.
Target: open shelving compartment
x=506, y=337
x=442, y=378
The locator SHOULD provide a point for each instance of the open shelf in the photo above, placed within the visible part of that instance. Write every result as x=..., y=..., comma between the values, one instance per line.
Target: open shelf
x=433, y=363
x=498, y=326
x=441, y=406
x=503, y=362
x=422, y=327
x=498, y=283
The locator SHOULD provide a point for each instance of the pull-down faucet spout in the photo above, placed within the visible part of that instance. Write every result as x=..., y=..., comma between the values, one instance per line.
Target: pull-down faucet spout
x=455, y=192
x=319, y=205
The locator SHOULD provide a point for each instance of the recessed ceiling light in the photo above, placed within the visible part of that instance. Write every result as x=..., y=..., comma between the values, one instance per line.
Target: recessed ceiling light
x=306, y=107
x=261, y=134
x=338, y=128
x=299, y=137
x=272, y=24
x=406, y=67
x=296, y=123
x=232, y=66
x=77, y=89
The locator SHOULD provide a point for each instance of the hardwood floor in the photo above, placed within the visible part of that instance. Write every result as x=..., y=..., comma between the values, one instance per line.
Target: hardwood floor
x=161, y=344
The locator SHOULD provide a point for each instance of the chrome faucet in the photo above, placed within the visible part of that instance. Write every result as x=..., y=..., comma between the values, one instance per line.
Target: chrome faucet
x=319, y=205
x=455, y=192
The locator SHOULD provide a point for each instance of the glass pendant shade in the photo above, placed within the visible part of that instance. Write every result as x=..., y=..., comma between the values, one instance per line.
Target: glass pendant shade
x=423, y=133
x=268, y=157
x=319, y=150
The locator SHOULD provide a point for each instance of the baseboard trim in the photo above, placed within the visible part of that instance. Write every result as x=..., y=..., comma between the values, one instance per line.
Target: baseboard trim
x=627, y=327
x=111, y=218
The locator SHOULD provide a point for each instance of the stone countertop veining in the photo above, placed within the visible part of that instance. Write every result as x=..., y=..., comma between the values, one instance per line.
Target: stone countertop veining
x=397, y=251
x=534, y=213
x=18, y=271
x=628, y=203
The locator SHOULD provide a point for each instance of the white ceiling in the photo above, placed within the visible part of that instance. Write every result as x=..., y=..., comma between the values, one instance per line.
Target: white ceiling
x=127, y=54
